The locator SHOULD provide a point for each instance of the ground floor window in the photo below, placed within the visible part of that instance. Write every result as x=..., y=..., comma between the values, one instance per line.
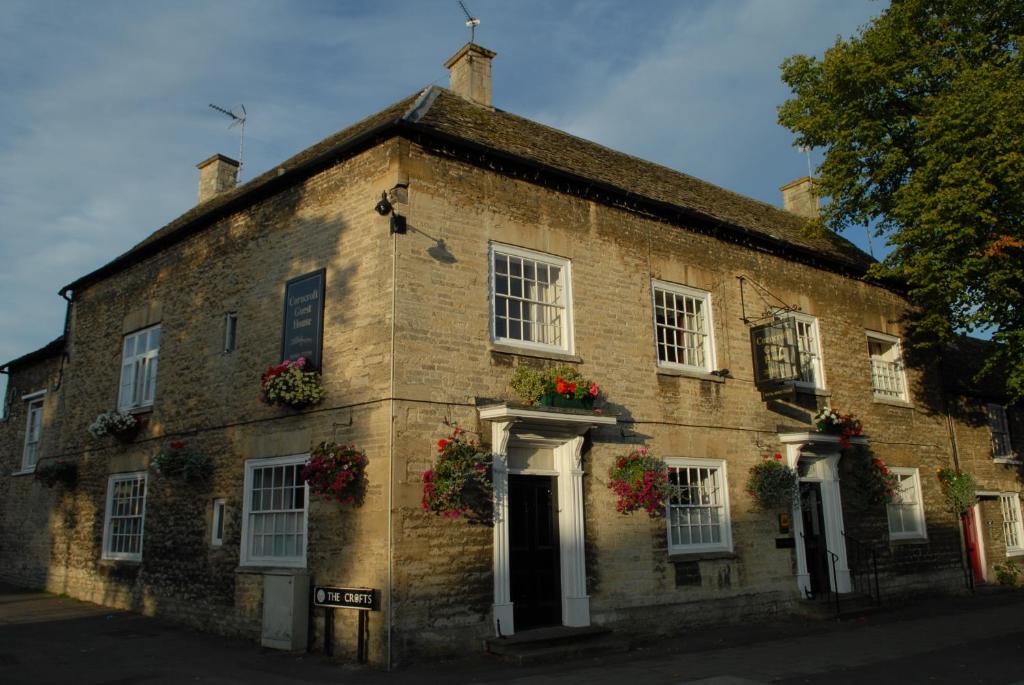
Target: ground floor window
x=126, y=514
x=906, y=511
x=274, y=515
x=1013, y=532
x=698, y=506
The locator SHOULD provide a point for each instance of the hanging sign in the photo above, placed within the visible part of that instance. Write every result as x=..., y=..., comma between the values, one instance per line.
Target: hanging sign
x=776, y=354
x=303, y=333
x=364, y=598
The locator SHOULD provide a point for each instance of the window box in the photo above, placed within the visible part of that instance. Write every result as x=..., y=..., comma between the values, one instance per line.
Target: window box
x=555, y=400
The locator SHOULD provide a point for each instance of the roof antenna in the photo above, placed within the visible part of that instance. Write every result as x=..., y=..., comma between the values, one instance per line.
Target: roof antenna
x=237, y=119
x=471, y=21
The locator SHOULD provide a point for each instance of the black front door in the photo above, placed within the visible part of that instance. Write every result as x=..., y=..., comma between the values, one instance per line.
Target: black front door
x=814, y=538
x=534, y=571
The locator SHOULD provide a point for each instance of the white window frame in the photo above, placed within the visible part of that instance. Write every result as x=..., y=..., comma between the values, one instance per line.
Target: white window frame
x=887, y=365
x=915, y=508
x=562, y=263
x=218, y=521
x=817, y=362
x=34, y=403
x=108, y=553
x=1013, y=527
x=249, y=559
x=999, y=426
x=138, y=371
x=725, y=523
x=706, y=318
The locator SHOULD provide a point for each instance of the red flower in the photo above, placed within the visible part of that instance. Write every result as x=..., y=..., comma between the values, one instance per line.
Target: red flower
x=560, y=386
x=594, y=390
x=778, y=456
x=572, y=389
x=441, y=444
x=177, y=445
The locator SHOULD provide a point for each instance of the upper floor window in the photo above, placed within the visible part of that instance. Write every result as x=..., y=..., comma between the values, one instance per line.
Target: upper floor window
x=33, y=430
x=126, y=514
x=274, y=512
x=698, y=506
x=1000, y=427
x=531, y=301
x=138, y=368
x=887, y=378
x=906, y=510
x=682, y=327
x=808, y=344
x=1013, y=529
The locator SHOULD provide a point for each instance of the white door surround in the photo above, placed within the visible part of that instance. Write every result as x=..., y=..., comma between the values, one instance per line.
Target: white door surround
x=817, y=456
x=562, y=432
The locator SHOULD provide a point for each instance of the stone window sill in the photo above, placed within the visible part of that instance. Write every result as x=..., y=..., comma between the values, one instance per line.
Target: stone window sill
x=703, y=556
x=24, y=472
x=688, y=373
x=908, y=541
x=893, y=402
x=815, y=392
x=539, y=354
x=1007, y=460
x=273, y=570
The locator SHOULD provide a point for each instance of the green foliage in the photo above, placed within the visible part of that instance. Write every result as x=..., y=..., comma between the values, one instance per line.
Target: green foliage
x=959, y=490
x=460, y=481
x=290, y=384
x=51, y=473
x=921, y=117
x=565, y=381
x=773, y=485
x=177, y=460
x=871, y=477
x=1007, y=573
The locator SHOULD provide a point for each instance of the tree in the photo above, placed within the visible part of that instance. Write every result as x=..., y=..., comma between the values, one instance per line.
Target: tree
x=921, y=119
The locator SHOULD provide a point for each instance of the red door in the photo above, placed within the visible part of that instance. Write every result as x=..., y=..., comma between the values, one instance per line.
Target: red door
x=973, y=545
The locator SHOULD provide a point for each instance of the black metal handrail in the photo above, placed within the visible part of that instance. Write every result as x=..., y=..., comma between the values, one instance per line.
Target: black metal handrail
x=835, y=579
x=862, y=560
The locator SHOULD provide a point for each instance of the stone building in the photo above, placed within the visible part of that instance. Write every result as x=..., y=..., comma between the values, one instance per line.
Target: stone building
x=503, y=243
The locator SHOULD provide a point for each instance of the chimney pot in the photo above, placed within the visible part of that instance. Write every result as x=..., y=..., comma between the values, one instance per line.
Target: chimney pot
x=216, y=175
x=800, y=197
x=469, y=73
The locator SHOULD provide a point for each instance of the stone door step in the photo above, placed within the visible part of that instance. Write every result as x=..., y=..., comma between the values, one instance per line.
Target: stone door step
x=851, y=605
x=549, y=645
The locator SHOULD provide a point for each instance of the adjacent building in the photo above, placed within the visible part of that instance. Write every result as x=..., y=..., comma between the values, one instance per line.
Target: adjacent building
x=502, y=242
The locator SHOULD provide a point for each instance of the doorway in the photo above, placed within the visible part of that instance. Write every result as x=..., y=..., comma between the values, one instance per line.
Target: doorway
x=534, y=568
x=975, y=547
x=814, y=539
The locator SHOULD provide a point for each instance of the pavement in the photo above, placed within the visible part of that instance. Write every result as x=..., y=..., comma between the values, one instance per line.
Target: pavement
x=965, y=639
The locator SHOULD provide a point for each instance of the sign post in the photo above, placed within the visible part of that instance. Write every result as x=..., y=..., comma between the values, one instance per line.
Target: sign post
x=362, y=599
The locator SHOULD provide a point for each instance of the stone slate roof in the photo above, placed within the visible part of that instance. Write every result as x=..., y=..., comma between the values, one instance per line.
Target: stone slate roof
x=50, y=349
x=440, y=114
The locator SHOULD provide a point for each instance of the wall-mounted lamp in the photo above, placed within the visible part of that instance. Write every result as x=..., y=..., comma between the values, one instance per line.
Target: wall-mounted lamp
x=384, y=207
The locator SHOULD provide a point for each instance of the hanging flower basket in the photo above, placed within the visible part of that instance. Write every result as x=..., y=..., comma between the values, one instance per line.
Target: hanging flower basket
x=831, y=422
x=290, y=384
x=120, y=424
x=872, y=477
x=337, y=472
x=178, y=460
x=773, y=485
x=460, y=482
x=56, y=472
x=559, y=386
x=959, y=489
x=641, y=481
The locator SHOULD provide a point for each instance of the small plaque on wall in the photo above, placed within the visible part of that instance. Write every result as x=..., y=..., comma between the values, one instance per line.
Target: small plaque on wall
x=303, y=332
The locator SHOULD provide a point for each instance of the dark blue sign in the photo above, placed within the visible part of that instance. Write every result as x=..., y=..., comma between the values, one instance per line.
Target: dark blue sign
x=303, y=334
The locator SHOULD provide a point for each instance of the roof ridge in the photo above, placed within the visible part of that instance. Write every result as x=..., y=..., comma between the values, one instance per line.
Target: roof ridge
x=422, y=104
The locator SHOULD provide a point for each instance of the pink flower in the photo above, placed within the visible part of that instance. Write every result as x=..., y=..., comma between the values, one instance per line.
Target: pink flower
x=594, y=390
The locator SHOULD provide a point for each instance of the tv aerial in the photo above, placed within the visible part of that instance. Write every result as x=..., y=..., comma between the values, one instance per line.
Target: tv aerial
x=237, y=116
x=471, y=22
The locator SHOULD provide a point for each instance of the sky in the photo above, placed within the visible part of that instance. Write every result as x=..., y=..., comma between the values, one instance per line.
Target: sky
x=104, y=105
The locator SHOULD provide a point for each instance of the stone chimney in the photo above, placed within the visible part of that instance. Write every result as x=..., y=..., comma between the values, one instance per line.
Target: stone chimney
x=800, y=197
x=216, y=174
x=469, y=73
